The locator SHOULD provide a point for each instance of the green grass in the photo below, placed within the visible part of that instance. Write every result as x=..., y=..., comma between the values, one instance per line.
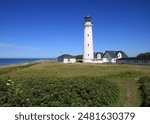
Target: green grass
x=39, y=77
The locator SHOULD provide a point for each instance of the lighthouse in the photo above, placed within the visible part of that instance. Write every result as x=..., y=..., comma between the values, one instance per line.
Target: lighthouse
x=88, y=41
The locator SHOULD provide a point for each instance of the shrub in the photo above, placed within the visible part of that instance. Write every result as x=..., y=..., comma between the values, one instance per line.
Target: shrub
x=144, y=80
x=145, y=90
x=78, y=91
x=6, y=92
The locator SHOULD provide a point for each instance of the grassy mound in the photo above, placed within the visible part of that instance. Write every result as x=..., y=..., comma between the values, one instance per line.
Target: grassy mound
x=73, y=91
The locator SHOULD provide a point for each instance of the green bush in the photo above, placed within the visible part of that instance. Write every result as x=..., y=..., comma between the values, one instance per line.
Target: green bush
x=145, y=90
x=77, y=91
x=146, y=95
x=6, y=92
x=144, y=80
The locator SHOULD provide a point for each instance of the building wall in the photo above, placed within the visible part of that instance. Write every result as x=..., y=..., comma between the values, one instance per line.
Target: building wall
x=111, y=60
x=130, y=61
x=69, y=60
x=98, y=61
x=105, y=60
x=119, y=55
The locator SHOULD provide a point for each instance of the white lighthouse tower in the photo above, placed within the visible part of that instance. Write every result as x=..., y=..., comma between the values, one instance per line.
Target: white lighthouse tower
x=88, y=41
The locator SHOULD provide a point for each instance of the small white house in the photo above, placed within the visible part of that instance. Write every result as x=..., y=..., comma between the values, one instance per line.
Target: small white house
x=66, y=58
x=112, y=56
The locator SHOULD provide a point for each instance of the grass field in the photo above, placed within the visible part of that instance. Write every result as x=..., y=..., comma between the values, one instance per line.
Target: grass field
x=22, y=79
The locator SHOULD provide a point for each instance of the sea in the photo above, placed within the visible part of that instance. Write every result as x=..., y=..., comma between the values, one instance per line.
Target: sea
x=9, y=61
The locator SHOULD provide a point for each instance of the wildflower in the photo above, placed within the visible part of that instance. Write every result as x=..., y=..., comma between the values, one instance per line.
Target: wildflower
x=7, y=84
x=27, y=99
x=9, y=80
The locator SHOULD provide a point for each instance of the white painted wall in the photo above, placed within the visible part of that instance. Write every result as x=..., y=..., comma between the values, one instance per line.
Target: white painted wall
x=113, y=60
x=88, y=43
x=98, y=61
x=71, y=60
x=119, y=55
x=105, y=60
x=99, y=56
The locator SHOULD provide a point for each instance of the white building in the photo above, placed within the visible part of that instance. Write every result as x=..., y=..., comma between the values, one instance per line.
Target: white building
x=108, y=56
x=66, y=58
x=112, y=56
x=88, y=41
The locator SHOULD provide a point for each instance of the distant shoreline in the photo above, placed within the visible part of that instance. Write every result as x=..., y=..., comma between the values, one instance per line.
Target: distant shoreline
x=16, y=61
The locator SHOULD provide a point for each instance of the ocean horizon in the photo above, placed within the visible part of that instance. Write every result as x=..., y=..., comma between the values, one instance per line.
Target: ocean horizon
x=10, y=61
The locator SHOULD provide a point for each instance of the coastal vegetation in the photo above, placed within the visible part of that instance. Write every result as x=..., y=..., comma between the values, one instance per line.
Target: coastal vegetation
x=55, y=84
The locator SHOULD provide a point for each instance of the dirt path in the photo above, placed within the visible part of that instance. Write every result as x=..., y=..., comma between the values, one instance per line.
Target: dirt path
x=132, y=95
x=128, y=102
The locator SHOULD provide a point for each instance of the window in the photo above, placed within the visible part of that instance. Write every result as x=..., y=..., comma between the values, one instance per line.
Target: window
x=88, y=35
x=88, y=54
x=88, y=44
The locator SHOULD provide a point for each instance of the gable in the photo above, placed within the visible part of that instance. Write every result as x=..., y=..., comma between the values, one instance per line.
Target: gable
x=98, y=55
x=107, y=55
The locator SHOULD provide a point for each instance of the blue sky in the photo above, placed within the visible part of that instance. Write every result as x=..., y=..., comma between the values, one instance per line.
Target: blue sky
x=43, y=28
